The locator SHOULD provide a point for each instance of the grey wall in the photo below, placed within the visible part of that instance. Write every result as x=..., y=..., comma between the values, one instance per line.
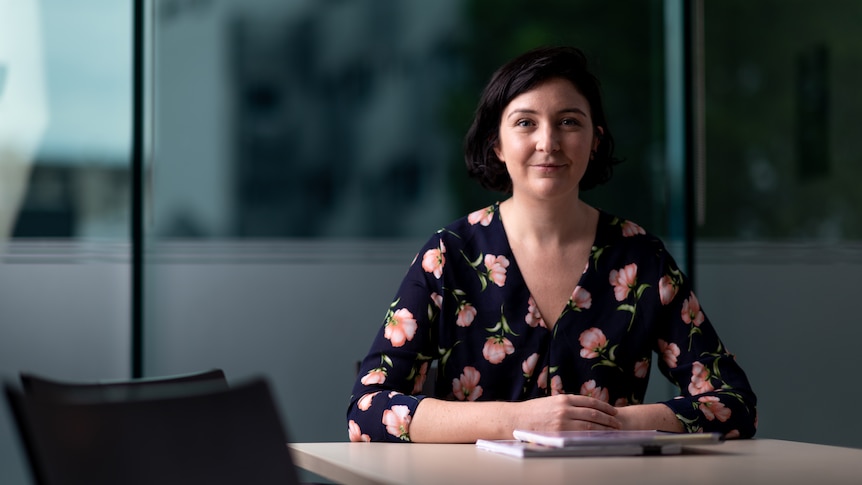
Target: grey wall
x=300, y=314
x=64, y=312
x=790, y=312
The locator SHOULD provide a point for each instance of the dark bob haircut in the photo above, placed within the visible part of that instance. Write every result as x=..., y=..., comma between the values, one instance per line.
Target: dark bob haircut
x=511, y=80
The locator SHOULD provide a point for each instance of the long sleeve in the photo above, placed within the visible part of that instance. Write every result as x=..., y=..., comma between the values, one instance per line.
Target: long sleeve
x=715, y=394
x=392, y=374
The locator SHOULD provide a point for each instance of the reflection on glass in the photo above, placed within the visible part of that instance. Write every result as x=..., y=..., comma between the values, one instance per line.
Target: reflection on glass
x=78, y=182
x=22, y=105
x=782, y=107
x=345, y=119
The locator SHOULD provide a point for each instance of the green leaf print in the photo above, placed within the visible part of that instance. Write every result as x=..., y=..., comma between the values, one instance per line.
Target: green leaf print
x=502, y=326
x=689, y=424
x=483, y=278
x=445, y=354
x=595, y=254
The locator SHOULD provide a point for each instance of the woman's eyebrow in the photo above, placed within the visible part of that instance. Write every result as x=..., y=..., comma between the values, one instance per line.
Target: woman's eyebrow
x=577, y=111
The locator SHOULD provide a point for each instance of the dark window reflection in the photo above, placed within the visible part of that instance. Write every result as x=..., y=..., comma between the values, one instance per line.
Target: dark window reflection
x=782, y=111
x=346, y=118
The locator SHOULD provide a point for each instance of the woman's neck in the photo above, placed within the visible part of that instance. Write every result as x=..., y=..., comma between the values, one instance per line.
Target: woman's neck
x=546, y=223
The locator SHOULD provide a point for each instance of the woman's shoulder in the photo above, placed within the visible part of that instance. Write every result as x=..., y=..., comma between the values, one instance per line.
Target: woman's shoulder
x=478, y=232
x=481, y=222
x=617, y=231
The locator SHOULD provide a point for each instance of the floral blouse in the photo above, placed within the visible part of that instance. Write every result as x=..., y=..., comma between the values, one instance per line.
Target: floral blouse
x=464, y=303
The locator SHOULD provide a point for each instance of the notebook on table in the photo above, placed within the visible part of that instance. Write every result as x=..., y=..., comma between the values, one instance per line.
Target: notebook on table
x=596, y=443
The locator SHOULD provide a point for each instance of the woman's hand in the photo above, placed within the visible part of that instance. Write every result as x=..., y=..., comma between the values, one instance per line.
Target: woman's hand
x=565, y=412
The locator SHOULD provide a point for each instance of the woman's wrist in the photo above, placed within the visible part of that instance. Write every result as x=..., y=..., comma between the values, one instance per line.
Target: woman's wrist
x=649, y=416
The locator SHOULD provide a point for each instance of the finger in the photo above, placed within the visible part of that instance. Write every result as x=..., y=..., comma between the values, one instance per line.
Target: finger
x=594, y=416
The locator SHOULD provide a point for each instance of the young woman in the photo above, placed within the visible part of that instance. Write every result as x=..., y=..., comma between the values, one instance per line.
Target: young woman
x=543, y=312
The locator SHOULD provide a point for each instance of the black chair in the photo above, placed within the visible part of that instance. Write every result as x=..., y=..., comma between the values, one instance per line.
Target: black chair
x=118, y=389
x=175, y=435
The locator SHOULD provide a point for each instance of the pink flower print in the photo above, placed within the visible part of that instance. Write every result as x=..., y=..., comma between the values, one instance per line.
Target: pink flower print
x=593, y=342
x=641, y=368
x=534, y=317
x=481, y=216
x=374, y=376
x=466, y=315
x=621, y=402
x=466, y=387
x=666, y=289
x=699, y=380
x=355, y=433
x=590, y=389
x=421, y=375
x=400, y=327
x=712, y=408
x=437, y=299
x=691, y=312
x=624, y=280
x=397, y=421
x=732, y=434
x=631, y=229
x=542, y=380
x=669, y=352
x=497, y=348
x=364, y=403
x=434, y=260
x=581, y=298
x=496, y=268
x=529, y=365
x=557, y=386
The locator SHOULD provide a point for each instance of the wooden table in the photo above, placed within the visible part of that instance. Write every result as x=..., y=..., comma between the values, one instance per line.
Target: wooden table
x=732, y=463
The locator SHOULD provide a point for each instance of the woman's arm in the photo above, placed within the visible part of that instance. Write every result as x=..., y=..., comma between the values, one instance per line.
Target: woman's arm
x=436, y=421
x=649, y=416
x=714, y=392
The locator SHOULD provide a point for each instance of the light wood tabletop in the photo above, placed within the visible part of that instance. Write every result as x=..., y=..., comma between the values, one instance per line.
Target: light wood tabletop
x=733, y=462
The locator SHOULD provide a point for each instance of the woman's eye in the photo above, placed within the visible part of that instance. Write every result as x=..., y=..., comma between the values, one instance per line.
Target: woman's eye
x=523, y=123
x=570, y=122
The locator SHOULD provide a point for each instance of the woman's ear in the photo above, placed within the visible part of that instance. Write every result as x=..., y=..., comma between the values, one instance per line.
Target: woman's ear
x=497, y=151
x=597, y=139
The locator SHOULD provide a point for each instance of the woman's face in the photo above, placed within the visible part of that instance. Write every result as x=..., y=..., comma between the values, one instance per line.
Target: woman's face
x=546, y=137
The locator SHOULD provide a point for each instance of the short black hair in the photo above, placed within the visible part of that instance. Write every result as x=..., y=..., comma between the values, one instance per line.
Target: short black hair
x=516, y=77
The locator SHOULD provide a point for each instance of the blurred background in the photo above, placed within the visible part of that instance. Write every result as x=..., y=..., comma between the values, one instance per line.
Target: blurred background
x=296, y=154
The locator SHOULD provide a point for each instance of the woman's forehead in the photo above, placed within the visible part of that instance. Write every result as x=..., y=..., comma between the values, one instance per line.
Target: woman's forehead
x=560, y=93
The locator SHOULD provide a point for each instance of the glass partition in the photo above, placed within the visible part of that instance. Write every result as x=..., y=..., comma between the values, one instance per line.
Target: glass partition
x=303, y=150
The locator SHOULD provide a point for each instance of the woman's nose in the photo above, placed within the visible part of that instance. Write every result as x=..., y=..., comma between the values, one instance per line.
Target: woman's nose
x=548, y=140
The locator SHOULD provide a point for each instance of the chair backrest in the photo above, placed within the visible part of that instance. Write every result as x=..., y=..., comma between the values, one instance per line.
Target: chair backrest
x=118, y=389
x=222, y=436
